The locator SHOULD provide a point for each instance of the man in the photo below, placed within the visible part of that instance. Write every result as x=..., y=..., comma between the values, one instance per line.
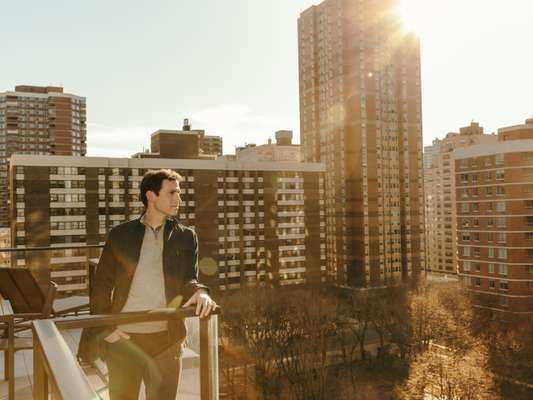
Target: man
x=148, y=263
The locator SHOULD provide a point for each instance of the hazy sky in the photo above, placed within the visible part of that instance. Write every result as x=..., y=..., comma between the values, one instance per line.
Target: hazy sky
x=231, y=65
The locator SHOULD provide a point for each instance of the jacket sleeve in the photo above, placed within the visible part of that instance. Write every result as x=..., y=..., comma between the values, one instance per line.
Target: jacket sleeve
x=191, y=284
x=104, y=280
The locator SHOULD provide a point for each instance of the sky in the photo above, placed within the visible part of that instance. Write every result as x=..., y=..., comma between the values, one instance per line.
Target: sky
x=231, y=66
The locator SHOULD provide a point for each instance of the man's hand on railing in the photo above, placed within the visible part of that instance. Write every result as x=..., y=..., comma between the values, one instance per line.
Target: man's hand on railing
x=204, y=303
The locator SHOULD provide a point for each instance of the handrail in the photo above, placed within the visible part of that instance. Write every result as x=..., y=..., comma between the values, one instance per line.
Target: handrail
x=45, y=248
x=54, y=362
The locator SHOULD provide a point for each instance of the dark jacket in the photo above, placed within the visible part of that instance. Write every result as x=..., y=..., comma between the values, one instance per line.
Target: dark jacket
x=118, y=262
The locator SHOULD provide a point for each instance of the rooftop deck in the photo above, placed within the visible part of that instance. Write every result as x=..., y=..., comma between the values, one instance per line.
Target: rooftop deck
x=189, y=385
x=189, y=388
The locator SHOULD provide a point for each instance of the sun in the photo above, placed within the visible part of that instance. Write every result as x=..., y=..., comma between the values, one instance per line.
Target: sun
x=414, y=14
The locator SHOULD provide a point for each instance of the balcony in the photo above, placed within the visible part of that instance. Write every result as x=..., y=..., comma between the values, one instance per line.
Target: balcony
x=38, y=357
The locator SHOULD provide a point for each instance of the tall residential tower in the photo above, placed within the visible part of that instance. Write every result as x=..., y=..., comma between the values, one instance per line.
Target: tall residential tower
x=360, y=114
x=38, y=120
x=439, y=190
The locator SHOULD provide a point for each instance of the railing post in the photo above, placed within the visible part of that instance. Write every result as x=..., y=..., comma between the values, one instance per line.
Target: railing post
x=40, y=380
x=208, y=358
x=10, y=359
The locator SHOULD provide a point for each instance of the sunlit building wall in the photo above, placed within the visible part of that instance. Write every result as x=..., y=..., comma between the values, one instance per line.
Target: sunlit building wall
x=38, y=120
x=439, y=191
x=494, y=200
x=258, y=223
x=360, y=114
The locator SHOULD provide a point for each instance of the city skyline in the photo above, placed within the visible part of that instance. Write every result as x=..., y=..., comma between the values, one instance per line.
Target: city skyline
x=475, y=71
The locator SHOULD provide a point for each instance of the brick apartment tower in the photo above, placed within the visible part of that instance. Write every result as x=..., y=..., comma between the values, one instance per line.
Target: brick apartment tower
x=494, y=191
x=360, y=113
x=439, y=191
x=38, y=120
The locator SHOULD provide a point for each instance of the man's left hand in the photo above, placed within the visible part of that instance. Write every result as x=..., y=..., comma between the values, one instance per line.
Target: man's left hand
x=204, y=303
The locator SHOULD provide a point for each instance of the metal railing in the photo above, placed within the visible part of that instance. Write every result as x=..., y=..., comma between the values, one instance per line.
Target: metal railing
x=62, y=272
x=53, y=361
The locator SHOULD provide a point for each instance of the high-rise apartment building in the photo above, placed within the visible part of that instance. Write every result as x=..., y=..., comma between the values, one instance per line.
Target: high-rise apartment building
x=38, y=120
x=259, y=223
x=439, y=191
x=494, y=198
x=360, y=114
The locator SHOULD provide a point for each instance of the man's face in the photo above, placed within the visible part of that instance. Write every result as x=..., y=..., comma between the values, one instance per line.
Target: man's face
x=168, y=201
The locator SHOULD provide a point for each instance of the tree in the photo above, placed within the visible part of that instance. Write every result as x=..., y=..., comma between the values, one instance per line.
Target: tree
x=441, y=374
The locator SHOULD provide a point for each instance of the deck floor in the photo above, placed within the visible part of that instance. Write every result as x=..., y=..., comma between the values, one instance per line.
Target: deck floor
x=189, y=385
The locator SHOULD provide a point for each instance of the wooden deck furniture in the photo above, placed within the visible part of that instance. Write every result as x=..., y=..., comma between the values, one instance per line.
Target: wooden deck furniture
x=23, y=300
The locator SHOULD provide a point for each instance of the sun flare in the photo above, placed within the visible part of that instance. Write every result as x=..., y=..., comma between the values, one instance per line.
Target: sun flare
x=413, y=14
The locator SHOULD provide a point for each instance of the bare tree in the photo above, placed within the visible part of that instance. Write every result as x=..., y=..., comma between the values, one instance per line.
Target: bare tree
x=441, y=374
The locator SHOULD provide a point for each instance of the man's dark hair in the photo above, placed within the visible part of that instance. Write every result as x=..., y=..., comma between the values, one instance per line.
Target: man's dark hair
x=153, y=179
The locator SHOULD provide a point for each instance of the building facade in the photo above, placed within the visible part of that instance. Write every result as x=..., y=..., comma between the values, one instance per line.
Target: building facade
x=360, y=114
x=259, y=223
x=494, y=200
x=283, y=150
x=439, y=192
x=212, y=145
x=38, y=120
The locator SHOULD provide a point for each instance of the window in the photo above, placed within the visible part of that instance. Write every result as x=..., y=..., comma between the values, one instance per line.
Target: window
x=464, y=178
x=500, y=206
x=490, y=222
x=488, y=191
x=478, y=267
x=489, y=206
x=467, y=280
x=502, y=237
x=528, y=204
x=488, y=176
x=529, y=253
x=499, y=159
x=475, y=222
x=529, y=269
x=490, y=268
x=474, y=192
x=490, y=252
x=466, y=251
x=466, y=266
x=527, y=156
x=464, y=193
x=504, y=301
x=475, y=236
x=502, y=269
x=464, y=208
x=474, y=179
x=500, y=175
x=502, y=253
x=490, y=237
x=466, y=236
x=500, y=190
x=463, y=163
x=504, y=285
x=492, y=284
x=501, y=222
x=477, y=251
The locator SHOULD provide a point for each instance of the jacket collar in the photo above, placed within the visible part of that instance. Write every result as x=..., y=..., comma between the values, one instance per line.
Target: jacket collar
x=171, y=225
